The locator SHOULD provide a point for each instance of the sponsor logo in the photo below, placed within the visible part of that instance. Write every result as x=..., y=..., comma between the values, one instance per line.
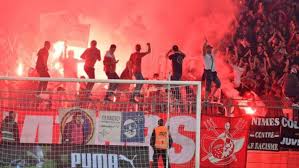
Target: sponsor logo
x=100, y=160
x=221, y=148
x=130, y=128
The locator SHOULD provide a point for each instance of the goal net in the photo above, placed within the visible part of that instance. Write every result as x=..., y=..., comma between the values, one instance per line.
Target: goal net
x=112, y=126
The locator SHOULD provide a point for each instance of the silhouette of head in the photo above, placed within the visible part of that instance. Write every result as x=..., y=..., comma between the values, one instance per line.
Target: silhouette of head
x=138, y=47
x=12, y=115
x=175, y=48
x=160, y=122
x=77, y=117
x=112, y=48
x=47, y=45
x=209, y=49
x=93, y=44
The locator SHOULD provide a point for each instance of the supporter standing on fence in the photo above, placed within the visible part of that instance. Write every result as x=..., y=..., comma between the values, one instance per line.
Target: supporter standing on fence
x=136, y=60
x=9, y=129
x=109, y=68
x=42, y=66
x=91, y=55
x=210, y=71
x=177, y=58
x=161, y=141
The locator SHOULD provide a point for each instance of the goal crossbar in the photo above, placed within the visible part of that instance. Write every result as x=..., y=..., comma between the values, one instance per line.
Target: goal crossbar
x=119, y=81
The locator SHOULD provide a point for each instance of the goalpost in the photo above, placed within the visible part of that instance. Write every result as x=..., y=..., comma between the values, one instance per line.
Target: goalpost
x=68, y=126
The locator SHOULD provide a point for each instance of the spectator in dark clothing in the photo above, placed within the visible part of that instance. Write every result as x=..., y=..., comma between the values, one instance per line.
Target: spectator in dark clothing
x=136, y=62
x=73, y=132
x=109, y=68
x=161, y=141
x=9, y=129
x=42, y=67
x=177, y=57
x=91, y=55
x=292, y=85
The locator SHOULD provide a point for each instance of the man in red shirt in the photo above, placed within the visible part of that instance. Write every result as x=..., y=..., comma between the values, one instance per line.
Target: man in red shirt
x=109, y=68
x=136, y=60
x=91, y=55
x=42, y=66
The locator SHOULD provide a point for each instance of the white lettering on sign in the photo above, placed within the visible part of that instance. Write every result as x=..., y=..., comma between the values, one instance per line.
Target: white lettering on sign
x=101, y=160
x=187, y=144
x=290, y=141
x=265, y=135
x=90, y=160
x=86, y=160
x=41, y=125
x=289, y=123
x=263, y=146
x=76, y=159
x=186, y=123
x=265, y=121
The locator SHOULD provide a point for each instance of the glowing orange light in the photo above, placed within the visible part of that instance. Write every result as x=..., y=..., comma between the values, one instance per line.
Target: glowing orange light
x=58, y=49
x=20, y=69
x=249, y=110
x=57, y=65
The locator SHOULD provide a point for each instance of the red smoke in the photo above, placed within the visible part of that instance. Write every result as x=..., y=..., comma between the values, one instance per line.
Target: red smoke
x=125, y=23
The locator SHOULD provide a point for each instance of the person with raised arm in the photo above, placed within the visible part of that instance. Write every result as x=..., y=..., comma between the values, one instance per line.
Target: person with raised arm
x=177, y=58
x=210, y=71
x=136, y=62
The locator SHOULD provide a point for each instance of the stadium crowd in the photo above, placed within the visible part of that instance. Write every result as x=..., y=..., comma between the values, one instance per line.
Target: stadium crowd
x=264, y=46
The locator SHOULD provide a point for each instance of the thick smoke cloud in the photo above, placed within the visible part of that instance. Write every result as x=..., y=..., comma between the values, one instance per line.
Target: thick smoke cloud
x=127, y=22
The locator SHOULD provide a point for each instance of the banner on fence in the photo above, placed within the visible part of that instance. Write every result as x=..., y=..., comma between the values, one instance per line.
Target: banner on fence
x=44, y=127
x=80, y=122
x=264, y=134
x=72, y=156
x=224, y=141
x=116, y=127
x=290, y=134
